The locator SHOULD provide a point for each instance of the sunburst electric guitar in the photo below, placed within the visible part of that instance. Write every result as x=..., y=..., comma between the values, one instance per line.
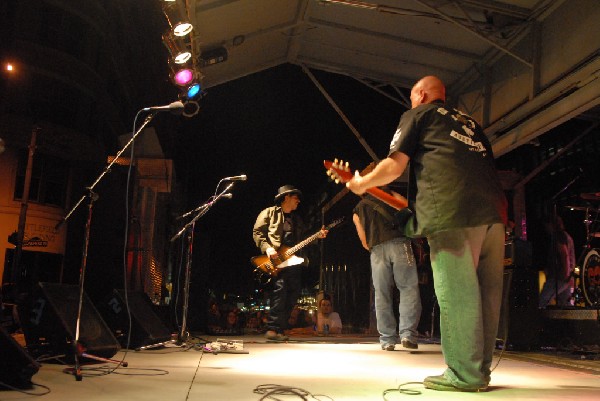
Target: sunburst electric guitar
x=340, y=172
x=286, y=255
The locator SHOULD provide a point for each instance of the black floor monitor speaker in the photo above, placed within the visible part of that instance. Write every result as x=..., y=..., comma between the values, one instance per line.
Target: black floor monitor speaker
x=146, y=327
x=16, y=365
x=49, y=318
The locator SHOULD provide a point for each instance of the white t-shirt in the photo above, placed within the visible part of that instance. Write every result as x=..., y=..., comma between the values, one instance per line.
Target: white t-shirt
x=333, y=320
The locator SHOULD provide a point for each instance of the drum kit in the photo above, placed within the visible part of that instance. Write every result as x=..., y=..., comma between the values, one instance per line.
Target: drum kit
x=589, y=274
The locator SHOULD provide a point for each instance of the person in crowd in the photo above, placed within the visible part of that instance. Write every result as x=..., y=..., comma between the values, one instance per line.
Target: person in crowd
x=328, y=321
x=559, y=266
x=300, y=323
x=213, y=323
x=231, y=324
x=276, y=226
x=309, y=318
x=296, y=319
x=392, y=265
x=252, y=325
x=460, y=207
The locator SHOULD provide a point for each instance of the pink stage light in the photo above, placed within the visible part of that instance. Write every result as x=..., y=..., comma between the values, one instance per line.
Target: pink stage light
x=184, y=77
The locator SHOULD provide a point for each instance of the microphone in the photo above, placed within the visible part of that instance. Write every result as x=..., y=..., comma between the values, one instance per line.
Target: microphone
x=236, y=178
x=175, y=107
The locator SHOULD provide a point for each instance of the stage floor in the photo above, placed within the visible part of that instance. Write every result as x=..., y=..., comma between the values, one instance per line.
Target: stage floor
x=337, y=368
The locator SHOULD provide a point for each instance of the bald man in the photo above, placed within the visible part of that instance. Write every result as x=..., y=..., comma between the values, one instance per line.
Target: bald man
x=460, y=208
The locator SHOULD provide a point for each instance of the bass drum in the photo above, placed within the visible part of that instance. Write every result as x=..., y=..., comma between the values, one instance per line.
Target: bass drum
x=591, y=277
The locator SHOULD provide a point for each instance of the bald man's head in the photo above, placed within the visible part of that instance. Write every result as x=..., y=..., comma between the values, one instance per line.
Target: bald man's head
x=427, y=90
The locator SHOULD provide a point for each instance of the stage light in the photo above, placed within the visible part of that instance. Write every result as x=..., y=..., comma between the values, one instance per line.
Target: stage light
x=179, y=25
x=183, y=76
x=178, y=49
x=193, y=90
x=182, y=28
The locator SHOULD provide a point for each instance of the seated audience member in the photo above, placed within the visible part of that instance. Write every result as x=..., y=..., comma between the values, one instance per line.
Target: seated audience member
x=309, y=318
x=231, y=324
x=263, y=317
x=213, y=320
x=293, y=320
x=326, y=316
x=252, y=325
x=300, y=323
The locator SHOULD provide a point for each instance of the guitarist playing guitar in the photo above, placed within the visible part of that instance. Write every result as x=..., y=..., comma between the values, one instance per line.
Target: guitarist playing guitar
x=278, y=226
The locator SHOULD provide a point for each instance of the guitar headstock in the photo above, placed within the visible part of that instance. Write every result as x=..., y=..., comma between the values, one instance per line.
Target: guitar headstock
x=338, y=171
x=335, y=223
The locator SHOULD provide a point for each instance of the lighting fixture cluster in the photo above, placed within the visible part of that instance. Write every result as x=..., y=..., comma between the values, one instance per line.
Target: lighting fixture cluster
x=184, y=72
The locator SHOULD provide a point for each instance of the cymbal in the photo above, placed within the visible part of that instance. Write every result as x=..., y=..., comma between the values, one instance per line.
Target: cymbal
x=594, y=196
x=584, y=208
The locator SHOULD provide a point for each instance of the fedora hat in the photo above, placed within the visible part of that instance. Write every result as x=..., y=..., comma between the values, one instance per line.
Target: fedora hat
x=286, y=190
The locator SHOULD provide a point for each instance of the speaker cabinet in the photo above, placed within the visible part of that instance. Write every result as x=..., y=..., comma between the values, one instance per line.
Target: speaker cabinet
x=16, y=365
x=518, y=253
x=146, y=326
x=520, y=318
x=49, y=318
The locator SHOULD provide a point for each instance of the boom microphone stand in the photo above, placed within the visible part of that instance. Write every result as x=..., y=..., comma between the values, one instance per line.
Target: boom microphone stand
x=79, y=349
x=189, y=228
x=183, y=335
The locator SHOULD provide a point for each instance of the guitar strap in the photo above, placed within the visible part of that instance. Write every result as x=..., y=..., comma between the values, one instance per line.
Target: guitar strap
x=409, y=212
x=379, y=209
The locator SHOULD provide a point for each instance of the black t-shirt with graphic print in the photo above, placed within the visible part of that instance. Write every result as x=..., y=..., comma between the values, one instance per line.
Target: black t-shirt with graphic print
x=456, y=183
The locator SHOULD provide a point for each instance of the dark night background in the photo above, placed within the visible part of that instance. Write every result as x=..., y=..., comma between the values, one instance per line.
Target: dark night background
x=277, y=128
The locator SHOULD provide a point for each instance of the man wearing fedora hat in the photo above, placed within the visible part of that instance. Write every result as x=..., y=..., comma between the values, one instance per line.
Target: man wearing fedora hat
x=276, y=226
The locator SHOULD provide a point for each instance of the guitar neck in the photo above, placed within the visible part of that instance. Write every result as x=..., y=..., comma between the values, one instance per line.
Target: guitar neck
x=301, y=245
x=341, y=173
x=396, y=203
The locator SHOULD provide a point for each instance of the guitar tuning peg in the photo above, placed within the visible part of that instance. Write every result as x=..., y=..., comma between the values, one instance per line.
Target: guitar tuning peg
x=335, y=161
x=337, y=180
x=328, y=172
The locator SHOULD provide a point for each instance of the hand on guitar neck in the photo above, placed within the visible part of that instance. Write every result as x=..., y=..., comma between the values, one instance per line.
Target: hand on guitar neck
x=340, y=172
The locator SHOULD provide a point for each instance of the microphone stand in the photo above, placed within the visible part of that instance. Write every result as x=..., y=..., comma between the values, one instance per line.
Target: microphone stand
x=79, y=349
x=183, y=335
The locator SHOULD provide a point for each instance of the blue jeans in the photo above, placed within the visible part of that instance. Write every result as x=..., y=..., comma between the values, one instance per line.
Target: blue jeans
x=393, y=262
x=551, y=287
x=468, y=273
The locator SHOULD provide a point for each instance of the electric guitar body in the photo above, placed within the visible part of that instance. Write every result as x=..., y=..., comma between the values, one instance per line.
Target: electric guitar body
x=286, y=255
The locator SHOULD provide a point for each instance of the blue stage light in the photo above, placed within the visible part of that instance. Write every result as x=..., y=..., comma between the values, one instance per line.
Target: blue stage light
x=193, y=91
